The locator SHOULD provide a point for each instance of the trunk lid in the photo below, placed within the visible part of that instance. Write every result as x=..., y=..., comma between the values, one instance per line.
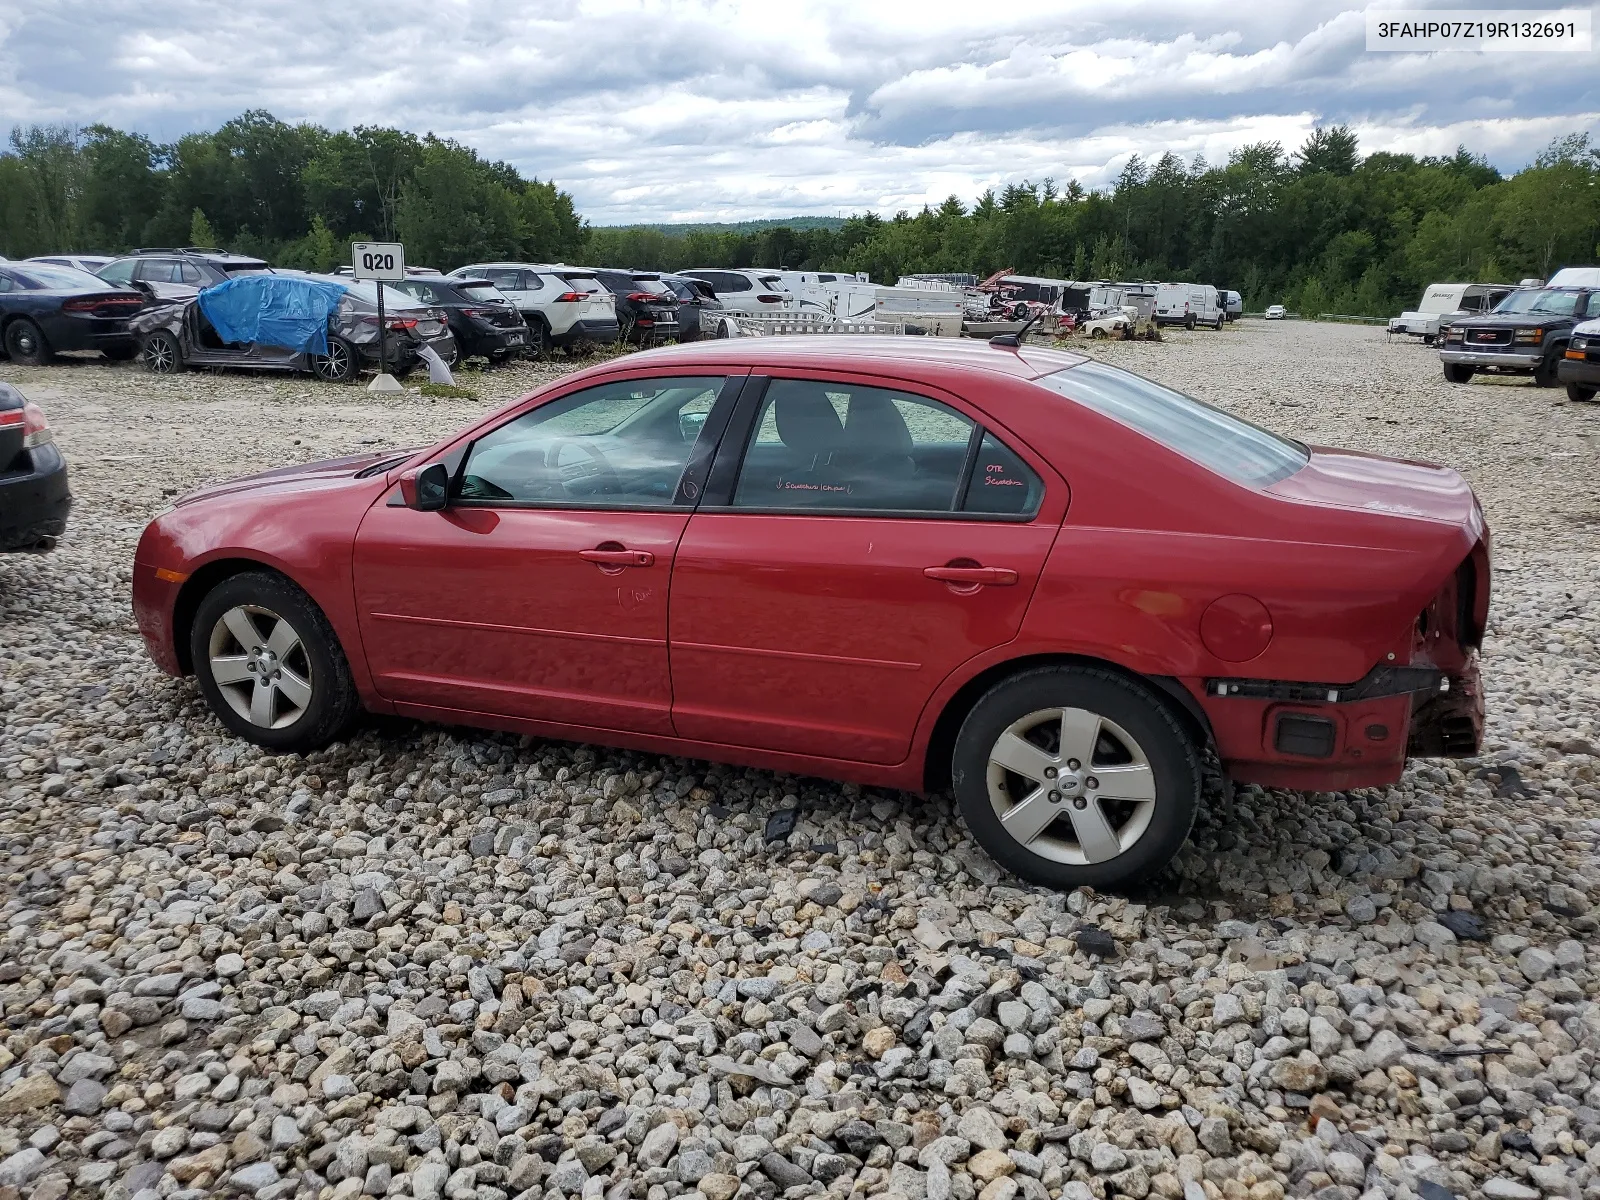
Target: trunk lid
x=1372, y=483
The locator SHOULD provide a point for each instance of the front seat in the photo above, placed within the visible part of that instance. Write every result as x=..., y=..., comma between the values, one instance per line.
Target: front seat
x=812, y=434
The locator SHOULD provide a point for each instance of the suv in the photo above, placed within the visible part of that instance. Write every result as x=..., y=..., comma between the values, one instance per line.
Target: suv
x=647, y=309
x=177, y=274
x=564, y=306
x=698, y=306
x=749, y=293
x=34, y=498
x=1526, y=334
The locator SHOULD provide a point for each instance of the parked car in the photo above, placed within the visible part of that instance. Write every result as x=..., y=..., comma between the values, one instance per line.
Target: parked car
x=874, y=575
x=698, y=306
x=34, y=496
x=45, y=308
x=180, y=334
x=483, y=320
x=1579, y=368
x=747, y=293
x=83, y=262
x=169, y=274
x=1443, y=304
x=1275, y=312
x=565, y=307
x=648, y=315
x=1526, y=334
x=1188, y=304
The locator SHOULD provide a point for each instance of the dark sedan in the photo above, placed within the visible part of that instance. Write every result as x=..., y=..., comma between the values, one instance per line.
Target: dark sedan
x=34, y=497
x=45, y=308
x=647, y=313
x=482, y=318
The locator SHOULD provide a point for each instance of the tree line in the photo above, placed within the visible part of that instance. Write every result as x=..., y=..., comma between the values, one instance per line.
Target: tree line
x=1320, y=229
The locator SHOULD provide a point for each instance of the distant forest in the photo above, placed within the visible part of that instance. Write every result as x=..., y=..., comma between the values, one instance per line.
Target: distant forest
x=1319, y=228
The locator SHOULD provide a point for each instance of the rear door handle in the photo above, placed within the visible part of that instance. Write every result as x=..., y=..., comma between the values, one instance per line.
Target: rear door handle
x=991, y=576
x=619, y=558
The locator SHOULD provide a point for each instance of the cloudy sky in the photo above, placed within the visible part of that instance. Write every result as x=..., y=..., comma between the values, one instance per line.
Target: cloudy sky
x=697, y=110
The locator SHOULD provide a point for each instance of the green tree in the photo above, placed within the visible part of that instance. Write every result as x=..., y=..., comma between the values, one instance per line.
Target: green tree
x=200, y=231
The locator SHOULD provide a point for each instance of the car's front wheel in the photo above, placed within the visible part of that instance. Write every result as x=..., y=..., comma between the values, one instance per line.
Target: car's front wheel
x=1579, y=394
x=161, y=354
x=1546, y=374
x=270, y=665
x=1457, y=373
x=1076, y=775
x=339, y=365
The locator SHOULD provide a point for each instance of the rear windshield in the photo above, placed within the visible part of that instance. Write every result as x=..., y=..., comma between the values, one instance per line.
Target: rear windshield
x=250, y=267
x=774, y=281
x=1218, y=441
x=367, y=290
x=43, y=276
x=582, y=283
x=481, y=292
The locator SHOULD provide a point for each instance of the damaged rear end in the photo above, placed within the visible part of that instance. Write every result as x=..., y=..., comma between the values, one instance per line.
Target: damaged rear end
x=1447, y=720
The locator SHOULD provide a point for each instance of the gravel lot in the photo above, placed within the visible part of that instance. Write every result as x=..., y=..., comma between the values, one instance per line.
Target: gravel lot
x=439, y=963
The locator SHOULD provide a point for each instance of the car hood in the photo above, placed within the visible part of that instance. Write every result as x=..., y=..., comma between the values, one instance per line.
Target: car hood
x=303, y=477
x=1588, y=328
x=1375, y=484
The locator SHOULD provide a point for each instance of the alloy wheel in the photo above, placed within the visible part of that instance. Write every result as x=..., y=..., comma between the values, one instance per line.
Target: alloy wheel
x=1071, y=786
x=260, y=666
x=158, y=355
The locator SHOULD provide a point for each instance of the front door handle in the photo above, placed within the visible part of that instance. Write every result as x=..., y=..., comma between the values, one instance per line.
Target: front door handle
x=609, y=557
x=973, y=576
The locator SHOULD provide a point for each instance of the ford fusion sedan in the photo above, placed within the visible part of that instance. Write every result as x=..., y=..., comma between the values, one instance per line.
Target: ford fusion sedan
x=1047, y=584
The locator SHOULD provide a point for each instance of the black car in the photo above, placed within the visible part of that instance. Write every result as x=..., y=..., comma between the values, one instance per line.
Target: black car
x=45, y=308
x=176, y=273
x=1580, y=365
x=1526, y=334
x=482, y=318
x=34, y=498
x=646, y=314
x=697, y=302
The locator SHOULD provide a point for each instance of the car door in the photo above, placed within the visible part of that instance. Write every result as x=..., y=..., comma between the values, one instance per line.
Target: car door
x=540, y=591
x=858, y=542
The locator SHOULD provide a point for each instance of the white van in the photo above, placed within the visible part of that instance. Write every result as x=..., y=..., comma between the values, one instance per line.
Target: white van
x=1188, y=304
x=1575, y=277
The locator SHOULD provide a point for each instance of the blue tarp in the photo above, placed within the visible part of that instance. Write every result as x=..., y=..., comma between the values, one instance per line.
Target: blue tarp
x=273, y=310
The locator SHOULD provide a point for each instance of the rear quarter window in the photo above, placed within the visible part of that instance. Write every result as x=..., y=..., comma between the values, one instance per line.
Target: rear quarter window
x=1224, y=444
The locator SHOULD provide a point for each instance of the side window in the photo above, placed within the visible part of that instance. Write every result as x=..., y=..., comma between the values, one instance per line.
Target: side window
x=619, y=445
x=6, y=282
x=844, y=446
x=502, y=277
x=1594, y=304
x=119, y=272
x=531, y=281
x=191, y=274
x=727, y=281
x=1001, y=482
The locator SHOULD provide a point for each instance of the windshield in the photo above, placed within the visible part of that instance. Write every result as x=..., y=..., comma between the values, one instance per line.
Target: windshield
x=1542, y=300
x=1228, y=445
x=483, y=293
x=44, y=276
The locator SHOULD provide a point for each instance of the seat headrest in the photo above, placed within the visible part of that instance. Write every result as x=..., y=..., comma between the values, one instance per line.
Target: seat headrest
x=807, y=422
x=874, y=426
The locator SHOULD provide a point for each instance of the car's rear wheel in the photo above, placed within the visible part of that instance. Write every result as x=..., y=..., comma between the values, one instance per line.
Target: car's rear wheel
x=161, y=354
x=1098, y=334
x=339, y=365
x=1218, y=325
x=1580, y=394
x=1458, y=373
x=26, y=344
x=269, y=664
x=1546, y=374
x=1075, y=775
x=1188, y=322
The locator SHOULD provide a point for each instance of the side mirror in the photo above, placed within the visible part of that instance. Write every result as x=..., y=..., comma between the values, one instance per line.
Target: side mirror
x=690, y=423
x=426, y=489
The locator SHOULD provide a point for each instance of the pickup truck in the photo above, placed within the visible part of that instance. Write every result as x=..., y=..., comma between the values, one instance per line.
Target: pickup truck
x=1526, y=334
x=1580, y=362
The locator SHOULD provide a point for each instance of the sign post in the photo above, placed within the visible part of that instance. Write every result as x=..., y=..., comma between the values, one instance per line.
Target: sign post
x=381, y=262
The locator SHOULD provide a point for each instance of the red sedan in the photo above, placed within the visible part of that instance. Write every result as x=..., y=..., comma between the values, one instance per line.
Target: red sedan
x=1047, y=583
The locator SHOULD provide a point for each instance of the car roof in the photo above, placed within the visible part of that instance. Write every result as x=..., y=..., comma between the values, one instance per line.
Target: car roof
x=908, y=357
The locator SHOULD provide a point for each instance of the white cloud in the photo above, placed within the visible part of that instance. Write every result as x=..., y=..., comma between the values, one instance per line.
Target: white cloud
x=716, y=109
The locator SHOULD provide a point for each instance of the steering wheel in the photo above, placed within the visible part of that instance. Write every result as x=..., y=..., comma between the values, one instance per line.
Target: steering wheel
x=598, y=468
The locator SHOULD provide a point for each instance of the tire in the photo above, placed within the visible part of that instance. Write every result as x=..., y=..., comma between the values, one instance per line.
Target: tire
x=121, y=353
x=161, y=353
x=1218, y=325
x=305, y=714
x=1458, y=373
x=1098, y=335
x=341, y=364
x=544, y=345
x=1130, y=728
x=1428, y=339
x=26, y=344
x=1188, y=322
x=1579, y=394
x=1546, y=375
